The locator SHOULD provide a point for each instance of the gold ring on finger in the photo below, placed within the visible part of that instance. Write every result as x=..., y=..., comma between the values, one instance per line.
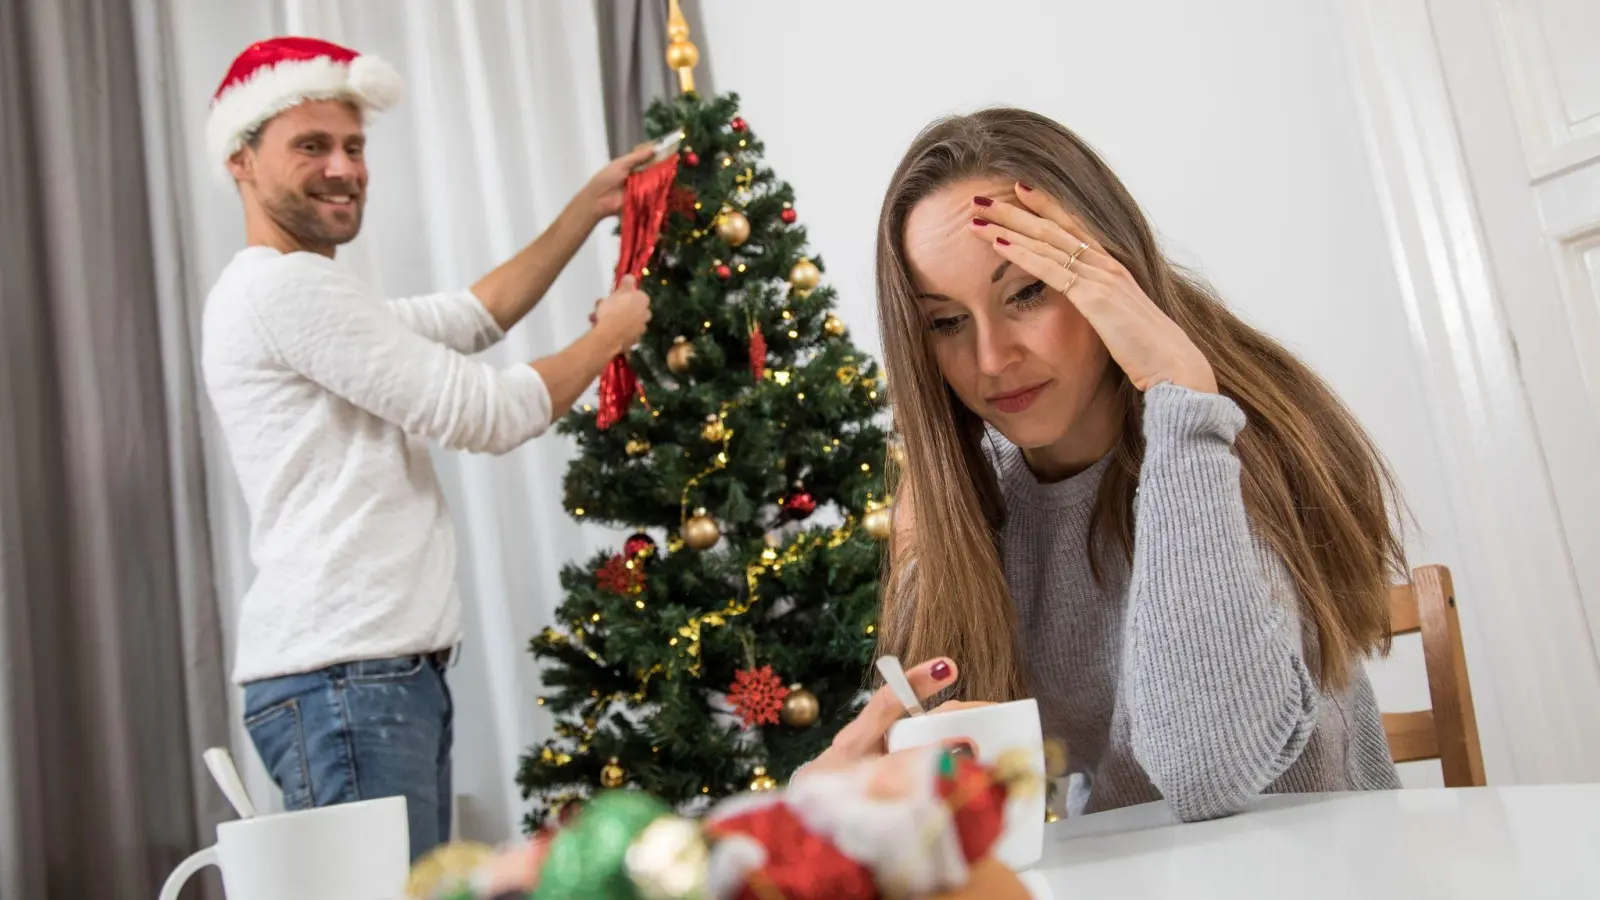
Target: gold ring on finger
x=1082, y=246
x=1070, y=281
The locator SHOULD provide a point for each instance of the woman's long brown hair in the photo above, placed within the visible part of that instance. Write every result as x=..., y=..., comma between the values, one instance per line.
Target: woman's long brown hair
x=1315, y=486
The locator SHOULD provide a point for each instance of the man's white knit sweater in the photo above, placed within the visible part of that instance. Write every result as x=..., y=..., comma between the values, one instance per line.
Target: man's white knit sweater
x=327, y=397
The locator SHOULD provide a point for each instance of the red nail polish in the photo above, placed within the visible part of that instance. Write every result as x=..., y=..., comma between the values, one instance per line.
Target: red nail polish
x=1024, y=186
x=1002, y=242
x=940, y=670
x=983, y=201
x=980, y=222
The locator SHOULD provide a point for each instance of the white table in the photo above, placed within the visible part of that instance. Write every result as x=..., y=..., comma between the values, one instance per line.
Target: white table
x=1500, y=843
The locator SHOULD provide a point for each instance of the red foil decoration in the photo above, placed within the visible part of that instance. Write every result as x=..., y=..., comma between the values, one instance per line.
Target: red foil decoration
x=800, y=862
x=758, y=352
x=644, y=208
x=978, y=804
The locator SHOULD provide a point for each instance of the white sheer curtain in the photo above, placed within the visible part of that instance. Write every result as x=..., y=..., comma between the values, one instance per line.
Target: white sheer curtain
x=502, y=121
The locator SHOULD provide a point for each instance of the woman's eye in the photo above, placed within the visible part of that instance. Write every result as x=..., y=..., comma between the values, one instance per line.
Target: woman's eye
x=1028, y=297
x=948, y=324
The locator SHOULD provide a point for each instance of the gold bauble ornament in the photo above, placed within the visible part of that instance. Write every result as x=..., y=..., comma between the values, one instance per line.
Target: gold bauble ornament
x=805, y=275
x=613, y=775
x=879, y=520
x=682, y=55
x=897, y=452
x=680, y=356
x=668, y=860
x=714, y=431
x=701, y=531
x=733, y=228
x=1055, y=758
x=637, y=447
x=762, y=781
x=448, y=869
x=833, y=325
x=800, y=708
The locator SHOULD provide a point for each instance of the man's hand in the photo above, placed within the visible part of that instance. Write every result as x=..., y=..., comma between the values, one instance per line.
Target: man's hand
x=602, y=196
x=621, y=318
x=618, y=321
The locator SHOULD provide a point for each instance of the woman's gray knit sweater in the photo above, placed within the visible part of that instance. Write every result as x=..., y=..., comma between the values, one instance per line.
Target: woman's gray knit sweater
x=1184, y=676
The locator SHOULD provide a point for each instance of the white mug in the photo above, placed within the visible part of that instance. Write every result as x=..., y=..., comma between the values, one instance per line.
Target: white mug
x=352, y=851
x=994, y=729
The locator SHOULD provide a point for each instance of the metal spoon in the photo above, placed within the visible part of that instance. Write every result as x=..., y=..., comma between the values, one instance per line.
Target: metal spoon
x=895, y=677
x=220, y=762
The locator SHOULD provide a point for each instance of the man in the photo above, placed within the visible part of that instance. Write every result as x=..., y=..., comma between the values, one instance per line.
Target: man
x=327, y=397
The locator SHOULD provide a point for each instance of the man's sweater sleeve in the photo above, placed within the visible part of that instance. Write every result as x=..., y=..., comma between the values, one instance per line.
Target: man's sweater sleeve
x=456, y=319
x=322, y=322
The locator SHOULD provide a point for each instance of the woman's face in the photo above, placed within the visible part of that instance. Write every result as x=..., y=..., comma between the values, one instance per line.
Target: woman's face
x=1017, y=353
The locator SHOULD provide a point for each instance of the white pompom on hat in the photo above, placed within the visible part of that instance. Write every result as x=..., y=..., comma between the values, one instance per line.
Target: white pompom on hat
x=274, y=75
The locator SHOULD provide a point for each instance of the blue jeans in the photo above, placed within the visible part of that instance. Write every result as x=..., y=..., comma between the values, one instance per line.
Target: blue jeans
x=359, y=731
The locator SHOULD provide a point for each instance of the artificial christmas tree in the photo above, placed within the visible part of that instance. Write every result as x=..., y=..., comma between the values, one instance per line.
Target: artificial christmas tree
x=725, y=642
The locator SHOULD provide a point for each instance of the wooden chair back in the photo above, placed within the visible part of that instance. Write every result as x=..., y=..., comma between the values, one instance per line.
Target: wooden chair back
x=1449, y=731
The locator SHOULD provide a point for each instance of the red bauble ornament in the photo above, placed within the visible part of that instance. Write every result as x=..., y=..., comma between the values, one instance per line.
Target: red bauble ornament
x=619, y=577
x=788, y=216
x=691, y=158
x=757, y=696
x=738, y=124
x=640, y=544
x=799, y=504
x=724, y=272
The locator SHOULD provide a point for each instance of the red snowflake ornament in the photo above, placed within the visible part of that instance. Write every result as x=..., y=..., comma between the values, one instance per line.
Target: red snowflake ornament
x=757, y=696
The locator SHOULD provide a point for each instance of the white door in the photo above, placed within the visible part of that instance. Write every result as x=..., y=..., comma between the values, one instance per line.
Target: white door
x=1525, y=79
x=1482, y=119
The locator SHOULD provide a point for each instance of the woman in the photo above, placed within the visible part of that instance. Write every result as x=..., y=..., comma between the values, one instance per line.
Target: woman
x=1119, y=498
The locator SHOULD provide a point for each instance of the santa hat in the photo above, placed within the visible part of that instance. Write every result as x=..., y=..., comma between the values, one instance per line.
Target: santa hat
x=274, y=75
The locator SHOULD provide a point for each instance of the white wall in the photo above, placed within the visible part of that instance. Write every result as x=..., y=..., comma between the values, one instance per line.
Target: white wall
x=1234, y=124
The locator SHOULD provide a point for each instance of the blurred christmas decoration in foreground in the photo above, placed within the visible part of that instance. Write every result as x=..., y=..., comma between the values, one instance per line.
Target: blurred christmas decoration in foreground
x=919, y=823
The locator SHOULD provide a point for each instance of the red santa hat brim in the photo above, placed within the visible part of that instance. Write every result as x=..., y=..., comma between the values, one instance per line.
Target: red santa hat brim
x=241, y=108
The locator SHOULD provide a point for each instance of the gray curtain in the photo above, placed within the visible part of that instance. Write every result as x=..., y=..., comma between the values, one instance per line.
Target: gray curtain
x=111, y=679
x=633, y=63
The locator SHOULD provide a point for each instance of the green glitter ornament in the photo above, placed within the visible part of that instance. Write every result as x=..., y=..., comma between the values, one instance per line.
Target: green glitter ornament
x=588, y=858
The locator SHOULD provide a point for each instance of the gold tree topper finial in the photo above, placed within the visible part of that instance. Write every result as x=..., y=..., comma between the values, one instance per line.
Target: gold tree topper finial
x=682, y=55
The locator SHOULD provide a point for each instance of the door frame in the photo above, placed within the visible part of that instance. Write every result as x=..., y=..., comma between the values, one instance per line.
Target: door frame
x=1527, y=629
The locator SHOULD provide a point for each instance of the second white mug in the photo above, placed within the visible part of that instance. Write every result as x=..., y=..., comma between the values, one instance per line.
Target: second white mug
x=352, y=851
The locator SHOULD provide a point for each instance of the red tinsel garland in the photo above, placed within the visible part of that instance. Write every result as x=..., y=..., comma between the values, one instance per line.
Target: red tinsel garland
x=644, y=207
x=758, y=351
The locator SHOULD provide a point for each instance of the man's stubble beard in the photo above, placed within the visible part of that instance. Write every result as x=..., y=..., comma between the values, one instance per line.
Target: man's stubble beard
x=297, y=213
